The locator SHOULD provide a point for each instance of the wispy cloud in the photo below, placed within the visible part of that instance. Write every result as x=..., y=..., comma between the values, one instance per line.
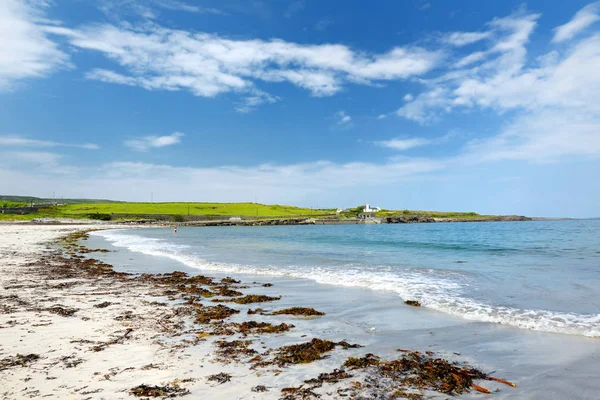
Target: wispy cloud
x=26, y=51
x=464, y=38
x=406, y=143
x=582, y=19
x=294, y=8
x=323, y=24
x=145, y=143
x=207, y=65
x=343, y=118
x=21, y=141
x=556, y=97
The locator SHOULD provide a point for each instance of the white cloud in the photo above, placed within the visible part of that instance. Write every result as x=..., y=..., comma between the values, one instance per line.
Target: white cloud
x=464, y=38
x=157, y=58
x=293, y=8
x=25, y=49
x=382, y=116
x=581, y=20
x=343, y=118
x=147, y=142
x=555, y=98
x=20, y=141
x=404, y=144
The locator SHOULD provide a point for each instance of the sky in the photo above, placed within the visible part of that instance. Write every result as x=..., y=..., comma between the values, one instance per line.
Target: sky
x=492, y=107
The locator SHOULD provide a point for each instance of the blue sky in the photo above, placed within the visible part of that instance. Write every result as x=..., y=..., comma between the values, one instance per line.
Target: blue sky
x=491, y=107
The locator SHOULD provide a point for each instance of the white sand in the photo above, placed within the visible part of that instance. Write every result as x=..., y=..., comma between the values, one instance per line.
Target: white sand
x=107, y=374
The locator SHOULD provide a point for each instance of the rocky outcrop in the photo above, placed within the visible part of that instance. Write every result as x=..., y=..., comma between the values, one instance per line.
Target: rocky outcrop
x=413, y=219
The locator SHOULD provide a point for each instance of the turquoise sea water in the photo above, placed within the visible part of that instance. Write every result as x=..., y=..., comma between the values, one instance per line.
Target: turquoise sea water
x=541, y=275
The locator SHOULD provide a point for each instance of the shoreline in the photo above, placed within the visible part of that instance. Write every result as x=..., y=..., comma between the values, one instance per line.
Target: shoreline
x=106, y=333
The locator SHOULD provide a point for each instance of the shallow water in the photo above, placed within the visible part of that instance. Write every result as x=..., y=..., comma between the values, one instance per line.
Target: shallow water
x=540, y=275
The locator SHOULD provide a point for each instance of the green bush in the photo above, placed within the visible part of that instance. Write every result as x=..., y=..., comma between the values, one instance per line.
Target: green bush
x=100, y=217
x=178, y=218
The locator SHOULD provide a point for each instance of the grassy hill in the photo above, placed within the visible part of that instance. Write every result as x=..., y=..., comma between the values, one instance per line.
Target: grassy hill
x=117, y=210
x=25, y=200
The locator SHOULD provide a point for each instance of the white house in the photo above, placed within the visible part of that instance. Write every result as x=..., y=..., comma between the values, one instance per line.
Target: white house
x=369, y=209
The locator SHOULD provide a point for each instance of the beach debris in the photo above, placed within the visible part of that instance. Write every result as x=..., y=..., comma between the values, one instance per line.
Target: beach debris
x=254, y=327
x=303, y=353
x=267, y=284
x=207, y=313
x=220, y=378
x=234, y=350
x=62, y=311
x=171, y=389
x=255, y=298
x=20, y=360
x=225, y=291
x=414, y=303
x=117, y=340
x=104, y=304
x=328, y=377
x=229, y=280
x=299, y=311
x=255, y=311
x=71, y=361
x=362, y=362
x=298, y=393
x=259, y=388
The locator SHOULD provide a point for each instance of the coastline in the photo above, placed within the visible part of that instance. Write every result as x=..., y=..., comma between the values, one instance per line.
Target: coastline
x=161, y=347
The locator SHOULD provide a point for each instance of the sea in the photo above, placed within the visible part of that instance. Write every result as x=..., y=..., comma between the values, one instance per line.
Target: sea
x=520, y=299
x=539, y=275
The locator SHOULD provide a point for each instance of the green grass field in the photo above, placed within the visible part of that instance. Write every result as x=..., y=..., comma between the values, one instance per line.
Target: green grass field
x=174, y=209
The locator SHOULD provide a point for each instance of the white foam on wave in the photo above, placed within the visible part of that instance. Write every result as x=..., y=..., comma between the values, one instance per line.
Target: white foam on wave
x=429, y=288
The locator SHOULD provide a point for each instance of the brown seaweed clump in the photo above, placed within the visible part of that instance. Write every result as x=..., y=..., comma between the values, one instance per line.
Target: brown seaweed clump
x=207, y=313
x=328, y=377
x=171, y=389
x=19, y=360
x=62, y=311
x=229, y=280
x=220, y=378
x=254, y=327
x=305, y=353
x=255, y=311
x=255, y=298
x=299, y=311
x=414, y=303
x=234, y=350
x=415, y=373
x=300, y=392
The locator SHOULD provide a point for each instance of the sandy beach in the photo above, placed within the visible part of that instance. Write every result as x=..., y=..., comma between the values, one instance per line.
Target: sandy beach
x=74, y=328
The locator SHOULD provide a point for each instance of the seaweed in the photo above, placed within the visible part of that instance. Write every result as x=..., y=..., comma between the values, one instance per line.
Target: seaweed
x=19, y=360
x=362, y=362
x=104, y=304
x=255, y=311
x=293, y=393
x=328, y=377
x=255, y=298
x=229, y=280
x=220, y=378
x=234, y=350
x=171, y=389
x=62, y=311
x=254, y=327
x=305, y=353
x=225, y=291
x=307, y=312
x=117, y=340
x=207, y=313
x=414, y=303
x=259, y=388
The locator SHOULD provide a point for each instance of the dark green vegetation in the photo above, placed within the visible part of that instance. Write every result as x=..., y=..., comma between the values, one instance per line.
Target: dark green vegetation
x=37, y=200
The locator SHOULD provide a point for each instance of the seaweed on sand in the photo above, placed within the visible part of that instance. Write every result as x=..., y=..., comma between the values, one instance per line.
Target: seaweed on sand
x=171, y=389
x=328, y=377
x=62, y=311
x=299, y=311
x=305, y=353
x=414, y=303
x=207, y=313
x=220, y=378
x=254, y=327
x=225, y=291
x=298, y=393
x=255, y=298
x=234, y=350
x=255, y=311
x=229, y=280
x=415, y=371
x=19, y=360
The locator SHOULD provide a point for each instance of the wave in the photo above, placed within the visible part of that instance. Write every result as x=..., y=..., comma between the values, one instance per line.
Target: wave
x=432, y=288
